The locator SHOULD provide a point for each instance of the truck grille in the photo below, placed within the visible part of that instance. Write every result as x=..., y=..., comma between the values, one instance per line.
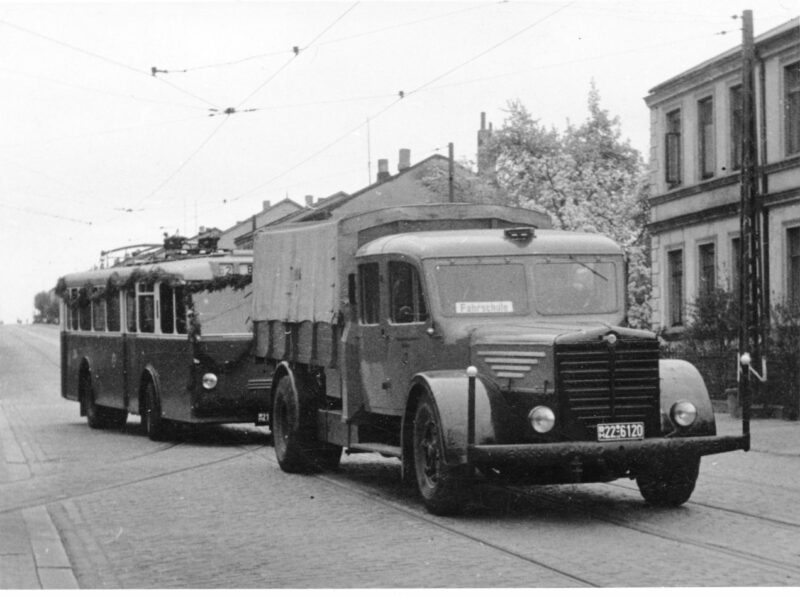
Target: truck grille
x=602, y=383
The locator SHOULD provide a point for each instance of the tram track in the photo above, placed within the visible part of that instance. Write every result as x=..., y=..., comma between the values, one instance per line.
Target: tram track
x=650, y=530
x=69, y=495
x=518, y=495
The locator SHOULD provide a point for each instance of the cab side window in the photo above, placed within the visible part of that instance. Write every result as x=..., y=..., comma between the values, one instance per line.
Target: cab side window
x=370, y=293
x=407, y=302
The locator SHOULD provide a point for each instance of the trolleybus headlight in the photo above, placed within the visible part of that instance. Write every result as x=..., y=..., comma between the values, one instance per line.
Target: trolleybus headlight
x=684, y=413
x=542, y=419
x=209, y=381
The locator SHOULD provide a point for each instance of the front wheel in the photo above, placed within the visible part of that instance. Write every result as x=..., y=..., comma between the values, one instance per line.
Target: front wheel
x=154, y=425
x=442, y=486
x=669, y=484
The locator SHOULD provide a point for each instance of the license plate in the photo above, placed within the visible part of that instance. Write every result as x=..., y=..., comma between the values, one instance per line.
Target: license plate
x=621, y=431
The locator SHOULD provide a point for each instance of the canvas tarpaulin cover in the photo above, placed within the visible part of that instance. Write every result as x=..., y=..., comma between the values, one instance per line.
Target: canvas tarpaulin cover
x=295, y=274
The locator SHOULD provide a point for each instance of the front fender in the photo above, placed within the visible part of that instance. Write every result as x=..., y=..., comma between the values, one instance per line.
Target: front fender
x=449, y=390
x=680, y=380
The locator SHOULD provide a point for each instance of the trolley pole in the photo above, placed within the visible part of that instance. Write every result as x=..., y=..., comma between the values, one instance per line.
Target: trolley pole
x=750, y=298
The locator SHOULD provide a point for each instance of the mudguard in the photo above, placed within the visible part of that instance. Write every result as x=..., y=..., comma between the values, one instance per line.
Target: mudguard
x=680, y=380
x=449, y=390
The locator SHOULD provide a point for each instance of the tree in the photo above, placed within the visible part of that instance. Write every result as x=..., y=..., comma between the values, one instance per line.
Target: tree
x=586, y=178
x=46, y=304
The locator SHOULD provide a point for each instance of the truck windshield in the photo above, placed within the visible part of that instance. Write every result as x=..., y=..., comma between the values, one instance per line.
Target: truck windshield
x=482, y=288
x=553, y=286
x=572, y=286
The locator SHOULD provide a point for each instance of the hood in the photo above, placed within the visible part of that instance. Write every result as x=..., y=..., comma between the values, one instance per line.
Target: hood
x=548, y=333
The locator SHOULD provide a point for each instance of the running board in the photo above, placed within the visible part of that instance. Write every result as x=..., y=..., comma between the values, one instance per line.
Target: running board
x=382, y=448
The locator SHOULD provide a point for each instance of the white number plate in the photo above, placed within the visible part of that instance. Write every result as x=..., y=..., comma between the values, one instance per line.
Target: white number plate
x=621, y=431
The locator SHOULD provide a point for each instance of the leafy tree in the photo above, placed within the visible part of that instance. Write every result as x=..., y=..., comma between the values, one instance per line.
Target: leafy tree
x=586, y=178
x=46, y=304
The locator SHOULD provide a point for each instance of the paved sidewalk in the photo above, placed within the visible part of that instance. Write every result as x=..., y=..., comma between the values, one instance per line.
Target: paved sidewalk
x=767, y=435
x=32, y=554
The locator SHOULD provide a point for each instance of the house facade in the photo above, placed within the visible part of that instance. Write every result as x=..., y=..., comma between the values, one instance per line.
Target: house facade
x=695, y=169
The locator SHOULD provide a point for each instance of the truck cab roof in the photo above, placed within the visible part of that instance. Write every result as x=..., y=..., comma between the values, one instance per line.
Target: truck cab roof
x=485, y=243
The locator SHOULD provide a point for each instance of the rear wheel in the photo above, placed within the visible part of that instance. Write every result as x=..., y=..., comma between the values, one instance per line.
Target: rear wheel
x=99, y=416
x=293, y=430
x=441, y=485
x=154, y=425
x=669, y=484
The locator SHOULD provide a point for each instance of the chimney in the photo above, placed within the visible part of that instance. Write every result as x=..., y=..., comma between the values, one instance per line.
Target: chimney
x=265, y=205
x=405, y=160
x=383, y=170
x=309, y=200
x=485, y=162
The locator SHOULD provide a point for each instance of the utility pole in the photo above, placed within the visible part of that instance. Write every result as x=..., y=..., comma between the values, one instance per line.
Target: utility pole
x=450, y=172
x=751, y=331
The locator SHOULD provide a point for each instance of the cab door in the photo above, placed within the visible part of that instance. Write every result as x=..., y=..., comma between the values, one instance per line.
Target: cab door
x=406, y=331
x=372, y=338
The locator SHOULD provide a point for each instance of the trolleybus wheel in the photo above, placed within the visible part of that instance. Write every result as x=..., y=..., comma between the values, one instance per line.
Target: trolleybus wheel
x=669, y=484
x=99, y=416
x=154, y=425
x=441, y=485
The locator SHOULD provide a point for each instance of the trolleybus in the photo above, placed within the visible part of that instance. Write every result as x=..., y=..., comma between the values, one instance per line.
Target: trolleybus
x=165, y=335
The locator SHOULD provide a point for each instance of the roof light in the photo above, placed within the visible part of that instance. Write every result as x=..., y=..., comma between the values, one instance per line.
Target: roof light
x=524, y=234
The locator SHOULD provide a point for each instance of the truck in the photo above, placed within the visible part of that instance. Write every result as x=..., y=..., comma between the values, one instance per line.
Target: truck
x=473, y=343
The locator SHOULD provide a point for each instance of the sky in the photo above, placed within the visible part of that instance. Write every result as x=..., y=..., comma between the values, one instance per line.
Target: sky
x=260, y=101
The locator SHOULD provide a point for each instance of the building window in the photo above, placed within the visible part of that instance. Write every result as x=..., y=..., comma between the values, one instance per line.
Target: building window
x=675, y=273
x=672, y=143
x=793, y=250
x=705, y=136
x=707, y=267
x=792, y=107
x=737, y=123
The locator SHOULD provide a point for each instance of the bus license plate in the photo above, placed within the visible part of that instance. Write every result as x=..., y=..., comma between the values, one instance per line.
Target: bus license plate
x=621, y=431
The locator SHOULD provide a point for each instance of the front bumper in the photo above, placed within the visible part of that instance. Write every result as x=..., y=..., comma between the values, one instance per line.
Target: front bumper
x=621, y=453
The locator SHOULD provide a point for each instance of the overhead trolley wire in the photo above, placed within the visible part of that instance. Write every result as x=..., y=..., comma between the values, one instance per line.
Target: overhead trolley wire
x=97, y=56
x=401, y=95
x=230, y=111
x=296, y=53
x=331, y=41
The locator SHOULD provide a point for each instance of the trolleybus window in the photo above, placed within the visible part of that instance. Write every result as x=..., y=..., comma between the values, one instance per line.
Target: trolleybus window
x=99, y=315
x=130, y=311
x=85, y=314
x=147, y=321
x=73, y=310
x=370, y=293
x=173, y=309
x=112, y=311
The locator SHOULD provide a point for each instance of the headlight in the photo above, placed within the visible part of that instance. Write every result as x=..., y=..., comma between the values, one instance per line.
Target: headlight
x=209, y=381
x=683, y=413
x=542, y=419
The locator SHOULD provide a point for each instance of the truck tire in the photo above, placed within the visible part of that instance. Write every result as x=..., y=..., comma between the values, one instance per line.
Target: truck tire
x=441, y=486
x=293, y=432
x=99, y=416
x=669, y=484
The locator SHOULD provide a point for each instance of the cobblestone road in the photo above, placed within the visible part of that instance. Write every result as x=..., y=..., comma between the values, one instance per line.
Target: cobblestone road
x=111, y=509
